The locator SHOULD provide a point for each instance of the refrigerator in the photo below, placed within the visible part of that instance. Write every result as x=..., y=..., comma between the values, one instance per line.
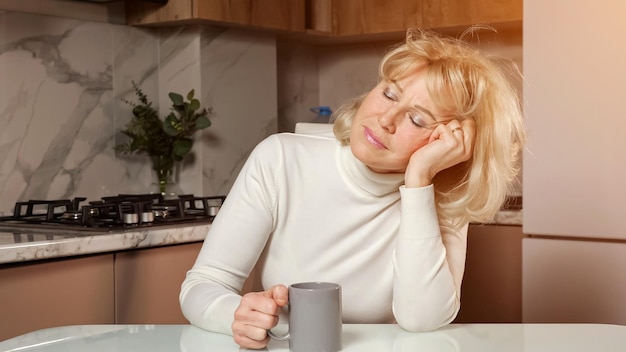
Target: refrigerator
x=574, y=166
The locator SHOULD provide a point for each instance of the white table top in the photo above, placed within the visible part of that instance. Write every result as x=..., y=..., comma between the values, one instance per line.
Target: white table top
x=357, y=337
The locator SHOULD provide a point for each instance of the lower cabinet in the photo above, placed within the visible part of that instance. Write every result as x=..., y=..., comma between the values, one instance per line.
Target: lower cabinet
x=43, y=294
x=147, y=283
x=491, y=291
x=132, y=287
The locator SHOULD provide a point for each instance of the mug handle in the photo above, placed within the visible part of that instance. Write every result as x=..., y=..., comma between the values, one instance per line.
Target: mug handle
x=284, y=337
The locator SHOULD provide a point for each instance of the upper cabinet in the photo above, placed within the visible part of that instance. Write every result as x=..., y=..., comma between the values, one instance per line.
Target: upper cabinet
x=328, y=18
x=355, y=17
x=361, y=17
x=454, y=13
x=269, y=14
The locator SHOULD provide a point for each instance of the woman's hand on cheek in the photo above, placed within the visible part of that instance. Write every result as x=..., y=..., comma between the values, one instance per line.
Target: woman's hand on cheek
x=449, y=144
x=258, y=312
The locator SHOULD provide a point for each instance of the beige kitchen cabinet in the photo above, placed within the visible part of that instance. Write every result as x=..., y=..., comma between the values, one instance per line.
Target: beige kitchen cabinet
x=43, y=294
x=270, y=14
x=147, y=283
x=359, y=17
x=491, y=291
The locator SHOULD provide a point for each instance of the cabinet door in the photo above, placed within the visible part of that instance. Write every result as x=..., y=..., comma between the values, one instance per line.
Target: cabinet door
x=359, y=17
x=271, y=14
x=491, y=291
x=145, y=12
x=354, y=17
x=147, y=283
x=452, y=13
x=45, y=294
x=276, y=14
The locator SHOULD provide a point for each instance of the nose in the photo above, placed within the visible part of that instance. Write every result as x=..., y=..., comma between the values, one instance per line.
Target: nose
x=389, y=119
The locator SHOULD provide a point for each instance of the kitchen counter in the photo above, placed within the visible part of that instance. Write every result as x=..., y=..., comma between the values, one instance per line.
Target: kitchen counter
x=356, y=337
x=20, y=245
x=508, y=217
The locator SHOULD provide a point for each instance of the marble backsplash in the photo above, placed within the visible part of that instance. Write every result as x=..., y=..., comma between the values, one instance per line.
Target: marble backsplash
x=62, y=82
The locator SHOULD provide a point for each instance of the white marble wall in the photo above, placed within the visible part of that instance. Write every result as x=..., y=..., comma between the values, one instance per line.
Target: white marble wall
x=239, y=81
x=61, y=85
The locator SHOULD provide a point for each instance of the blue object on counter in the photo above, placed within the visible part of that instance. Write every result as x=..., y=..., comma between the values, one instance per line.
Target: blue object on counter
x=323, y=114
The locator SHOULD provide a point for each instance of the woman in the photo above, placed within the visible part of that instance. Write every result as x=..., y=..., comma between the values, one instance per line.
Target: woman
x=383, y=209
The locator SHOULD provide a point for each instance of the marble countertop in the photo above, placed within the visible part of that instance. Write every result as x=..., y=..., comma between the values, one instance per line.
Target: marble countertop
x=355, y=337
x=508, y=217
x=19, y=245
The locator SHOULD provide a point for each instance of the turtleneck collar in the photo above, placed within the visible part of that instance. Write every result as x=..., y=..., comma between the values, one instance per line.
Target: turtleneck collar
x=364, y=178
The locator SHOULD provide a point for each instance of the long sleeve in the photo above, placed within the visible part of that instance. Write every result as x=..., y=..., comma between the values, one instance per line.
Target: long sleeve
x=428, y=265
x=210, y=292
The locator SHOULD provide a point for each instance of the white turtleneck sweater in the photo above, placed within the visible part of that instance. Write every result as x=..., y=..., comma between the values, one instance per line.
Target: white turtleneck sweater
x=308, y=210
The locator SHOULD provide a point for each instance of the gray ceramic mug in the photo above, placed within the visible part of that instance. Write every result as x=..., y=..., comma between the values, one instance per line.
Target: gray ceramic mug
x=314, y=317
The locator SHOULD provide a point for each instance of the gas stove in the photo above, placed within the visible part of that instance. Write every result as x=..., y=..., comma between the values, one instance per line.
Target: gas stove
x=114, y=213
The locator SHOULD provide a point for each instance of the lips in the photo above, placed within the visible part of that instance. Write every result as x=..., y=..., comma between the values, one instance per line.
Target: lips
x=369, y=135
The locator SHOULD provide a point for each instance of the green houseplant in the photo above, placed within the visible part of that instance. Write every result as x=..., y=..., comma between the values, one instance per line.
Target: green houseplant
x=165, y=141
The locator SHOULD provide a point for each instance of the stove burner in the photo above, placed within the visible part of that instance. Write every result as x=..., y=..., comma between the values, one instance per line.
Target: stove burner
x=114, y=212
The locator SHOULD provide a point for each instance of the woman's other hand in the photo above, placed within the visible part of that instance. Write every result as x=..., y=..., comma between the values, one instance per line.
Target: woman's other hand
x=258, y=312
x=449, y=144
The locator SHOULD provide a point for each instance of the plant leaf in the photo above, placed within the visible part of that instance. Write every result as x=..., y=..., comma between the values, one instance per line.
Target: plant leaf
x=176, y=98
x=194, y=104
x=202, y=122
x=171, y=125
x=190, y=95
x=182, y=147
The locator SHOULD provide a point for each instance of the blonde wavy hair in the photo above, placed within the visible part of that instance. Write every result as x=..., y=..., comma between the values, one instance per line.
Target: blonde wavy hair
x=469, y=84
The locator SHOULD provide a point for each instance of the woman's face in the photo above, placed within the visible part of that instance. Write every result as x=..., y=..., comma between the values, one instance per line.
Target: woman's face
x=394, y=120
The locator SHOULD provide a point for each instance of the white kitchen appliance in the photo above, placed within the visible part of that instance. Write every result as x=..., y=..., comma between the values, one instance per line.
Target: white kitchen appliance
x=317, y=129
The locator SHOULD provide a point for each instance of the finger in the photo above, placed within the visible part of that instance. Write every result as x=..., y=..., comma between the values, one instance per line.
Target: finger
x=280, y=294
x=250, y=343
x=253, y=317
x=260, y=302
x=469, y=133
x=445, y=130
x=249, y=330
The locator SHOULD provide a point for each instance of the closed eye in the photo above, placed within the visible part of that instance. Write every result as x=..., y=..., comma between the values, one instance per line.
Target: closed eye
x=417, y=120
x=389, y=95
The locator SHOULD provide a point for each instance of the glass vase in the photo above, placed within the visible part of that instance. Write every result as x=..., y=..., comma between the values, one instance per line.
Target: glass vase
x=166, y=172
